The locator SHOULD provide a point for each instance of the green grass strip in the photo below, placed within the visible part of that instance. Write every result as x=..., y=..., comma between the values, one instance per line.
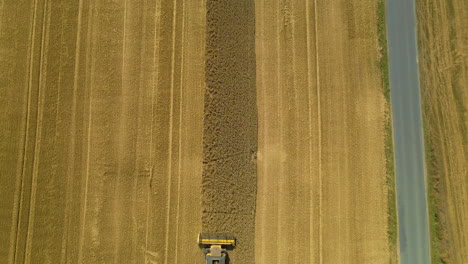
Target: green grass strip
x=383, y=65
x=432, y=182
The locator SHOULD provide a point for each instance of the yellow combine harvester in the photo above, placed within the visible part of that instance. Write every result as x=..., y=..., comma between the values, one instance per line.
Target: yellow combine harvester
x=215, y=246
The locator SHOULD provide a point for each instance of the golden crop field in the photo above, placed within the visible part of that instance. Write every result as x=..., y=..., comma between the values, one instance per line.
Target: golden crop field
x=443, y=64
x=129, y=127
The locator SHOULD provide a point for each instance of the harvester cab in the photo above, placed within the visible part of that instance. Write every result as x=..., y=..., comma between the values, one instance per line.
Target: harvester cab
x=215, y=246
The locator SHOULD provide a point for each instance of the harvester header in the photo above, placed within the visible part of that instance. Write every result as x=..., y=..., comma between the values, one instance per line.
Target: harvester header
x=207, y=239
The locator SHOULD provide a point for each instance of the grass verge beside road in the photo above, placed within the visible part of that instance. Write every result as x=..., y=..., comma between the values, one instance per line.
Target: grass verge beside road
x=433, y=185
x=383, y=65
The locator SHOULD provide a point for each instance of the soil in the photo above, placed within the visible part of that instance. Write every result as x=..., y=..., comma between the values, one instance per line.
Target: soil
x=230, y=125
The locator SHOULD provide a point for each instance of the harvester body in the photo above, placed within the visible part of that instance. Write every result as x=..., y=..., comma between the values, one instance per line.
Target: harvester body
x=215, y=246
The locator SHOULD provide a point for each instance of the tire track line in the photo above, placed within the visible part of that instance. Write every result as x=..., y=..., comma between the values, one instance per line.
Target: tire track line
x=171, y=128
x=37, y=143
x=262, y=132
x=71, y=153
x=154, y=103
x=18, y=199
x=181, y=101
x=310, y=85
x=121, y=146
x=60, y=73
x=298, y=254
x=319, y=118
x=89, y=83
x=66, y=210
x=140, y=136
x=280, y=128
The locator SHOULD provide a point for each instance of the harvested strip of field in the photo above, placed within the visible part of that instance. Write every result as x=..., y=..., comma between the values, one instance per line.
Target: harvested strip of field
x=443, y=64
x=322, y=194
x=230, y=125
x=103, y=123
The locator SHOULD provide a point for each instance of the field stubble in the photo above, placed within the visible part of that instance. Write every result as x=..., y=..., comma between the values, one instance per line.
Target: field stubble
x=322, y=176
x=102, y=109
x=115, y=97
x=442, y=36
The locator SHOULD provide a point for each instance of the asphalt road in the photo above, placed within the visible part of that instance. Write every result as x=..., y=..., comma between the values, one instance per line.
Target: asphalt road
x=407, y=132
